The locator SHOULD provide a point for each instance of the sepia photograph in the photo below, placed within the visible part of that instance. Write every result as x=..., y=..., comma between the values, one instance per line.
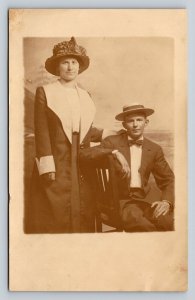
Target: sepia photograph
x=98, y=115
x=72, y=186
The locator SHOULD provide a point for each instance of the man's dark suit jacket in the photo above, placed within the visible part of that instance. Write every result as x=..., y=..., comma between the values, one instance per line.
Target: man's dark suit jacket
x=152, y=161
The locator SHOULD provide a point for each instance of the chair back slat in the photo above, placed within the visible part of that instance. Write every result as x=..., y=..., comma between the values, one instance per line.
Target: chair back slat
x=107, y=195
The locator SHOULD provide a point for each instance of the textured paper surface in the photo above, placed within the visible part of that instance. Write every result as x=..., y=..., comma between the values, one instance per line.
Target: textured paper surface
x=99, y=262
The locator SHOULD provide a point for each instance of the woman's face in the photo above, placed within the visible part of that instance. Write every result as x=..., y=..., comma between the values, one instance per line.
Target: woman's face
x=68, y=68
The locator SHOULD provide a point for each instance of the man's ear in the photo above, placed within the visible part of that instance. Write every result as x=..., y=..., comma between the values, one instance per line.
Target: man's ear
x=147, y=122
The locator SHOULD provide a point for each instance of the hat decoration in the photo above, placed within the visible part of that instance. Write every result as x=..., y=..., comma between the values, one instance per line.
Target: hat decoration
x=67, y=49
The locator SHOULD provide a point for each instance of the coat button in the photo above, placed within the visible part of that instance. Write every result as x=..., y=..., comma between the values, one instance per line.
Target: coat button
x=81, y=178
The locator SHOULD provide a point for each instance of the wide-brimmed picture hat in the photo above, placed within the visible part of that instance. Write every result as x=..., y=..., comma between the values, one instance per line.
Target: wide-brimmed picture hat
x=132, y=109
x=67, y=49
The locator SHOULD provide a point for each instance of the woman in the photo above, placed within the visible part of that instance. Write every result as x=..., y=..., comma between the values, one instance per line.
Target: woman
x=60, y=198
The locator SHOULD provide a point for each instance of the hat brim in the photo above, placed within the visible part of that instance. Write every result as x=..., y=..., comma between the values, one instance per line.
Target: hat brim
x=146, y=111
x=53, y=61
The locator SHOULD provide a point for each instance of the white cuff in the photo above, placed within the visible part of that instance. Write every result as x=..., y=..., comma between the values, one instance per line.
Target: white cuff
x=45, y=164
x=114, y=151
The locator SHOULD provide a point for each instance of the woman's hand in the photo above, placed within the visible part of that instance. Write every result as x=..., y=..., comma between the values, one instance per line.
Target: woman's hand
x=48, y=177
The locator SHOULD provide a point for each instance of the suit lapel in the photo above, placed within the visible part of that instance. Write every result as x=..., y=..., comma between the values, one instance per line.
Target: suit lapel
x=127, y=154
x=146, y=153
x=146, y=150
x=124, y=148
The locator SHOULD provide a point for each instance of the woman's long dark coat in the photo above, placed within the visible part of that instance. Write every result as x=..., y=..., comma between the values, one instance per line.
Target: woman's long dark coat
x=49, y=205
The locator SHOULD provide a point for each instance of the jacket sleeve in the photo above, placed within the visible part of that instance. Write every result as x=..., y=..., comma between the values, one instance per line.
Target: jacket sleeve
x=93, y=154
x=164, y=176
x=96, y=134
x=99, y=134
x=44, y=160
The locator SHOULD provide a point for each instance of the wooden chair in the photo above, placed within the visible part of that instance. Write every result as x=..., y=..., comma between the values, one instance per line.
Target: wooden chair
x=107, y=195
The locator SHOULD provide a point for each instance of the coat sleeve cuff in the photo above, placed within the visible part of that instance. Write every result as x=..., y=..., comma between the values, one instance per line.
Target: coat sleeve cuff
x=45, y=164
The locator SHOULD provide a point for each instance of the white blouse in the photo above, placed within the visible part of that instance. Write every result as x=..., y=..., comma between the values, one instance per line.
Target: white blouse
x=73, y=99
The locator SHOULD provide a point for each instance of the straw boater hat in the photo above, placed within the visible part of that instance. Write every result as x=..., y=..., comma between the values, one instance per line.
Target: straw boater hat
x=67, y=49
x=132, y=109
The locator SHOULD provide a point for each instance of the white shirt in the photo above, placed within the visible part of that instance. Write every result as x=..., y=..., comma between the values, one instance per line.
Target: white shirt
x=135, y=158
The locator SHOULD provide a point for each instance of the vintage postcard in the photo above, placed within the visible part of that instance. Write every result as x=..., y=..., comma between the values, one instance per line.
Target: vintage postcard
x=98, y=150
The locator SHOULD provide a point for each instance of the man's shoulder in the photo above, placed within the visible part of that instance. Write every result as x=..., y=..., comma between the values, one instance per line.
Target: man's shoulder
x=120, y=136
x=152, y=144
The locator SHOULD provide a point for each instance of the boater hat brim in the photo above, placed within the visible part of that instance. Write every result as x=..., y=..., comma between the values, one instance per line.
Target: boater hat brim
x=132, y=110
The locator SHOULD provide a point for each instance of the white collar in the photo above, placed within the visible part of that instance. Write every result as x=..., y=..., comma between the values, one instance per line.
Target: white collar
x=56, y=96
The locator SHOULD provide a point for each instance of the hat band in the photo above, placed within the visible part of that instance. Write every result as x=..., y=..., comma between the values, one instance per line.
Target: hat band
x=133, y=107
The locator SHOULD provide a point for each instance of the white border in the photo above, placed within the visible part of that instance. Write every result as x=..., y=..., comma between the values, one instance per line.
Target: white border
x=3, y=150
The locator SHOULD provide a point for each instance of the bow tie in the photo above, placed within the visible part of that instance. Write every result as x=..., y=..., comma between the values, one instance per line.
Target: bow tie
x=135, y=142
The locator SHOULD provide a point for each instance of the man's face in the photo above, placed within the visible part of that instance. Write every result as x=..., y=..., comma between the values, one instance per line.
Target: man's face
x=68, y=68
x=135, y=124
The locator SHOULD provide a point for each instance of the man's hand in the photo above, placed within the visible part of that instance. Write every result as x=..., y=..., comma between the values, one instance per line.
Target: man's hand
x=124, y=164
x=162, y=208
x=48, y=177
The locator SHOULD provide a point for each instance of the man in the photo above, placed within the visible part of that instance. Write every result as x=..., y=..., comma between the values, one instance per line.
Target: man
x=139, y=157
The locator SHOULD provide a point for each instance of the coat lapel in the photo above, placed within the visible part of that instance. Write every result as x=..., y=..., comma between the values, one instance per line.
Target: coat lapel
x=87, y=112
x=57, y=102
x=123, y=147
x=146, y=150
